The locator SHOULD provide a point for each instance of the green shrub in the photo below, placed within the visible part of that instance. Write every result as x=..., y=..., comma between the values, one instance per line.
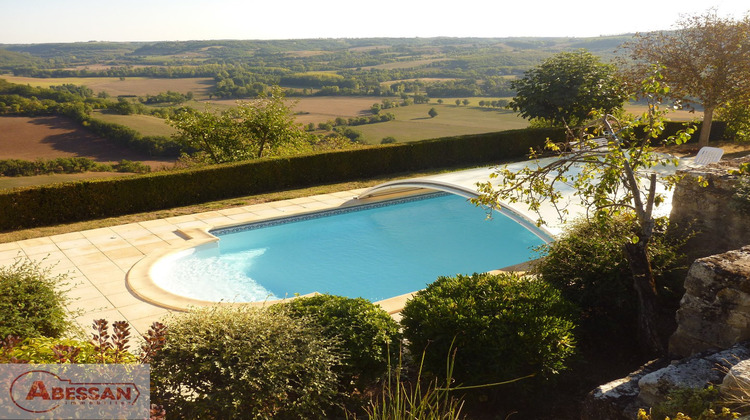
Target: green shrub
x=690, y=402
x=587, y=263
x=32, y=301
x=130, y=166
x=56, y=350
x=103, y=347
x=72, y=165
x=366, y=334
x=502, y=327
x=242, y=362
x=710, y=414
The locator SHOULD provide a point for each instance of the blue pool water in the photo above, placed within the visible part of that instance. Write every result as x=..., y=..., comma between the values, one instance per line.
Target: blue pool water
x=375, y=252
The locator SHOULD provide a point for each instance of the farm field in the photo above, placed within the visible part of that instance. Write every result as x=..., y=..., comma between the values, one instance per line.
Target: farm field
x=309, y=109
x=147, y=125
x=139, y=86
x=413, y=124
x=52, y=137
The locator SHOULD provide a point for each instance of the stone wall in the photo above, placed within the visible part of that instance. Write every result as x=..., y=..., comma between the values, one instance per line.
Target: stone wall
x=720, y=220
x=712, y=336
x=715, y=309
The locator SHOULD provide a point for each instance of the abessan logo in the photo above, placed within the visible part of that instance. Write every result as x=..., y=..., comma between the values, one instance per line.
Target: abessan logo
x=75, y=391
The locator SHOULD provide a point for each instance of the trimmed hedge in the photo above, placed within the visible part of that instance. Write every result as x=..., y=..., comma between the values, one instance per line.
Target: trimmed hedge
x=86, y=200
x=718, y=129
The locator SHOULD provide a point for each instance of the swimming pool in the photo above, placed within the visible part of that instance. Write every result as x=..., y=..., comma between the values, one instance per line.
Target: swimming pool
x=375, y=251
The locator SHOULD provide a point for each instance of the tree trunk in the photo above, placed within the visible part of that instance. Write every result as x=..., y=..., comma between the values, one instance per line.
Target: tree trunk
x=708, y=116
x=645, y=287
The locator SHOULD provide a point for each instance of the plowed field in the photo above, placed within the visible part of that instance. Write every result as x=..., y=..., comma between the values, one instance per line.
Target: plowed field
x=52, y=137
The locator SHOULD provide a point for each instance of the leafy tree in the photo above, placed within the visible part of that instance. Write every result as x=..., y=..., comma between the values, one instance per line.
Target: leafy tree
x=268, y=122
x=432, y=112
x=706, y=60
x=458, y=102
x=465, y=102
x=566, y=87
x=609, y=181
x=249, y=130
x=213, y=136
x=352, y=134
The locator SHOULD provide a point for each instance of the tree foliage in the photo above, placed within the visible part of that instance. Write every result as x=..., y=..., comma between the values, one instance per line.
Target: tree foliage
x=609, y=180
x=566, y=87
x=249, y=130
x=706, y=60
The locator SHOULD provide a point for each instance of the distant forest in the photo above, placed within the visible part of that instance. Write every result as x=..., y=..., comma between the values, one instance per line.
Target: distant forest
x=436, y=67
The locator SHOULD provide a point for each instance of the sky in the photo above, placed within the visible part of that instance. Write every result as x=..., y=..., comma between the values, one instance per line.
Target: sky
x=50, y=21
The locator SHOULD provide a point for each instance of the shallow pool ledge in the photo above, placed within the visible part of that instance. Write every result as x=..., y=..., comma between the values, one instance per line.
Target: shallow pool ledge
x=140, y=282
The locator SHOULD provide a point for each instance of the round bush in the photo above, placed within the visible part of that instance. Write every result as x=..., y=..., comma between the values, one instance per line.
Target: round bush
x=365, y=332
x=32, y=302
x=501, y=327
x=243, y=362
x=587, y=263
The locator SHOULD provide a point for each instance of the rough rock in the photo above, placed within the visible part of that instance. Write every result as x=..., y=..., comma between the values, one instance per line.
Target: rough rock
x=618, y=400
x=621, y=399
x=735, y=387
x=694, y=372
x=715, y=309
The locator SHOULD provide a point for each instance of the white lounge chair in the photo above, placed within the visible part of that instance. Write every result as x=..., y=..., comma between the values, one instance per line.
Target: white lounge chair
x=590, y=144
x=708, y=155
